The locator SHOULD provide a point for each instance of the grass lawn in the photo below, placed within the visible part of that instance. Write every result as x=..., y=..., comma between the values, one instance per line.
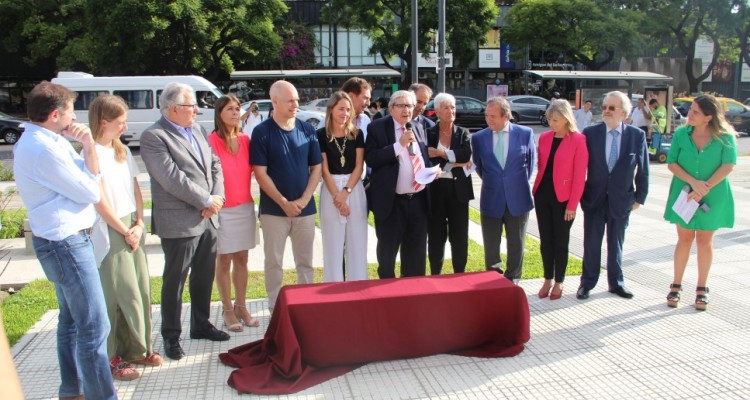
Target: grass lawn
x=20, y=311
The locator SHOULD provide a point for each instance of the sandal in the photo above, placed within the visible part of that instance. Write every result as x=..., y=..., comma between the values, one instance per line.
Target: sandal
x=152, y=360
x=245, y=316
x=701, y=300
x=673, y=298
x=123, y=371
x=231, y=322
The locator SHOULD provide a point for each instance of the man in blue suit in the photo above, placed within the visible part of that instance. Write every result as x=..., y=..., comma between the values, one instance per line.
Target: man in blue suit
x=504, y=155
x=617, y=183
x=423, y=93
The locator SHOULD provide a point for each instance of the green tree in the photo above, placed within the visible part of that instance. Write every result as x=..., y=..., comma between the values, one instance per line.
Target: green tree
x=388, y=24
x=588, y=32
x=741, y=16
x=687, y=21
x=115, y=37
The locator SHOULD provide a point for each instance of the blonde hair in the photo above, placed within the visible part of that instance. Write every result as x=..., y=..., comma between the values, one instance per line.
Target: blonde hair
x=349, y=129
x=107, y=107
x=562, y=108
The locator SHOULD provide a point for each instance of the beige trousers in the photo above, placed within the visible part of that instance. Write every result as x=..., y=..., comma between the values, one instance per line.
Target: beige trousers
x=301, y=231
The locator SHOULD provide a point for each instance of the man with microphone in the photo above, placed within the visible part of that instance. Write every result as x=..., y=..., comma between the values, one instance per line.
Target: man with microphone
x=400, y=204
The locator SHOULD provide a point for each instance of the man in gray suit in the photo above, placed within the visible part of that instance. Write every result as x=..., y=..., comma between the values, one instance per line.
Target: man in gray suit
x=187, y=188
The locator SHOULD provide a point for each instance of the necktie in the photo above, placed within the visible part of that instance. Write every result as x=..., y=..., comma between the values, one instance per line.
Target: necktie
x=416, y=165
x=614, y=151
x=500, y=149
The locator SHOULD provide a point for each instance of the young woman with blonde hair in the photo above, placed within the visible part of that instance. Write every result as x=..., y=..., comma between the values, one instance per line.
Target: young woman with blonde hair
x=118, y=238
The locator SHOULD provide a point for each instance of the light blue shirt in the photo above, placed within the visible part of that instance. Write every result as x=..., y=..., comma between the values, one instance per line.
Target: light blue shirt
x=506, y=139
x=608, y=148
x=54, y=183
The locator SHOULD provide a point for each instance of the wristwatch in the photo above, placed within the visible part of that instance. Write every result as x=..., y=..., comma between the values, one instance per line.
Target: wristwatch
x=348, y=189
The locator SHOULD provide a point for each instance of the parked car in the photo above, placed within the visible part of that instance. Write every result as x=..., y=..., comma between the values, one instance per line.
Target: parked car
x=736, y=113
x=469, y=113
x=527, y=108
x=313, y=117
x=318, y=105
x=10, y=128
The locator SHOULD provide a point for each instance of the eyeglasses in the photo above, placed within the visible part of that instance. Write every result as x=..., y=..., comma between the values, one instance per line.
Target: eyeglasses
x=404, y=106
x=188, y=105
x=610, y=108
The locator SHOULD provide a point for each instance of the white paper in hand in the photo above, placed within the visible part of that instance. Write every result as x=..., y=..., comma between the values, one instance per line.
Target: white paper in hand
x=427, y=175
x=469, y=169
x=685, y=207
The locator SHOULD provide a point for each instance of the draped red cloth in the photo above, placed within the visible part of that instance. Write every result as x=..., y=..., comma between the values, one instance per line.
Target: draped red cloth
x=320, y=331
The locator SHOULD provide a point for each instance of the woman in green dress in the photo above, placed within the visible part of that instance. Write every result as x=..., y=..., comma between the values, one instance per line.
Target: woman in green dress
x=702, y=155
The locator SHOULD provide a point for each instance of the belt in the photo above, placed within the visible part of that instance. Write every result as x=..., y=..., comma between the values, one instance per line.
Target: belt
x=86, y=231
x=408, y=196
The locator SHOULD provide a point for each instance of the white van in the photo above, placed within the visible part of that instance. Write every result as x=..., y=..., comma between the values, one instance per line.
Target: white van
x=141, y=93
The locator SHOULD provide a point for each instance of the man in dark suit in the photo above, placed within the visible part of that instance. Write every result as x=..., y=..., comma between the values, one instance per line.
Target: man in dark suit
x=618, y=159
x=423, y=94
x=400, y=205
x=187, y=187
x=504, y=154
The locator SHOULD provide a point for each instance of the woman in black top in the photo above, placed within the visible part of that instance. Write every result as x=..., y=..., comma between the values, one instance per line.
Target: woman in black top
x=452, y=190
x=343, y=206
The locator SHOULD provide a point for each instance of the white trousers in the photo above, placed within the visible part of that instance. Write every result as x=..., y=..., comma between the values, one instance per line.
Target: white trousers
x=340, y=233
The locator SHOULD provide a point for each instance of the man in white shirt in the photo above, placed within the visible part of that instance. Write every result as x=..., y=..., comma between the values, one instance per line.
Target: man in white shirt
x=359, y=90
x=583, y=115
x=640, y=117
x=60, y=188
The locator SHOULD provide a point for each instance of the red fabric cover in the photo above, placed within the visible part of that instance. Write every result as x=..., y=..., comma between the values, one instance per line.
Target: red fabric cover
x=320, y=331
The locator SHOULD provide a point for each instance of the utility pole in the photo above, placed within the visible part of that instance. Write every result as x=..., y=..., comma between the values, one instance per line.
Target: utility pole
x=441, y=46
x=414, y=42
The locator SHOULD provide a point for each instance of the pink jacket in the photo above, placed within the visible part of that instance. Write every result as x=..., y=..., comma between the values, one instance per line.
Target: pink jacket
x=571, y=162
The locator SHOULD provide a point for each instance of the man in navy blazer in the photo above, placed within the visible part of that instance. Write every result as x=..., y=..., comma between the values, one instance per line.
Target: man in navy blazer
x=617, y=183
x=423, y=94
x=504, y=154
x=399, y=205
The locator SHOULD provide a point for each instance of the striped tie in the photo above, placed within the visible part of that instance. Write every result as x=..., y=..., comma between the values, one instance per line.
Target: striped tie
x=416, y=166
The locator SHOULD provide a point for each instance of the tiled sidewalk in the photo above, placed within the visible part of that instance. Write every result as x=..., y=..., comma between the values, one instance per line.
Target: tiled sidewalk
x=601, y=348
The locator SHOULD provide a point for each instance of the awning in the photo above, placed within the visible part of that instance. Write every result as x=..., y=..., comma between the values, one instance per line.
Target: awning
x=315, y=73
x=602, y=75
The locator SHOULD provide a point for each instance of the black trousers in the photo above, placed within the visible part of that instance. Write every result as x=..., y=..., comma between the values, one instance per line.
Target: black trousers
x=405, y=227
x=449, y=220
x=197, y=256
x=554, y=234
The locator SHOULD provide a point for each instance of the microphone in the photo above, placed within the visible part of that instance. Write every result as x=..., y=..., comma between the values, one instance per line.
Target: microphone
x=411, y=144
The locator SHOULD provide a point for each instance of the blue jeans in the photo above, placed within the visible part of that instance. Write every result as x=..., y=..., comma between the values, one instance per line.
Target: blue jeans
x=83, y=325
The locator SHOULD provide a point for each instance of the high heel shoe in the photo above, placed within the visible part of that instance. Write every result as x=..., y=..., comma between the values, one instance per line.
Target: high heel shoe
x=245, y=316
x=556, y=296
x=673, y=298
x=701, y=300
x=544, y=291
x=235, y=326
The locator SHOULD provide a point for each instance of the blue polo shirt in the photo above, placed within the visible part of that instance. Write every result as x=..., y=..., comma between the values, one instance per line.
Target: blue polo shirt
x=288, y=156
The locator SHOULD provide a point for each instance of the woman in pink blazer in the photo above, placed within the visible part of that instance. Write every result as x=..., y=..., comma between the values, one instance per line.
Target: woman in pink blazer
x=558, y=188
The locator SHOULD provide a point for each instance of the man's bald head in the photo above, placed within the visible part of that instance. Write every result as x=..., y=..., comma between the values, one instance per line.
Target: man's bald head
x=285, y=100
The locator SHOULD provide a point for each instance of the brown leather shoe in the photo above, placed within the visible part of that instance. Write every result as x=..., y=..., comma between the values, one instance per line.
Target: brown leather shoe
x=79, y=397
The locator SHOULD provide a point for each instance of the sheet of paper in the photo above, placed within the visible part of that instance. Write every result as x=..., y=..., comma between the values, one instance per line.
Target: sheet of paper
x=685, y=208
x=468, y=170
x=427, y=175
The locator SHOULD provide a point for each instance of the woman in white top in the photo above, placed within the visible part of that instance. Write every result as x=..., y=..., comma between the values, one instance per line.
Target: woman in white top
x=118, y=238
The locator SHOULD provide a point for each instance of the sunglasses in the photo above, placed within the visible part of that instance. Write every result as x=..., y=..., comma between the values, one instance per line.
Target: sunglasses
x=610, y=108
